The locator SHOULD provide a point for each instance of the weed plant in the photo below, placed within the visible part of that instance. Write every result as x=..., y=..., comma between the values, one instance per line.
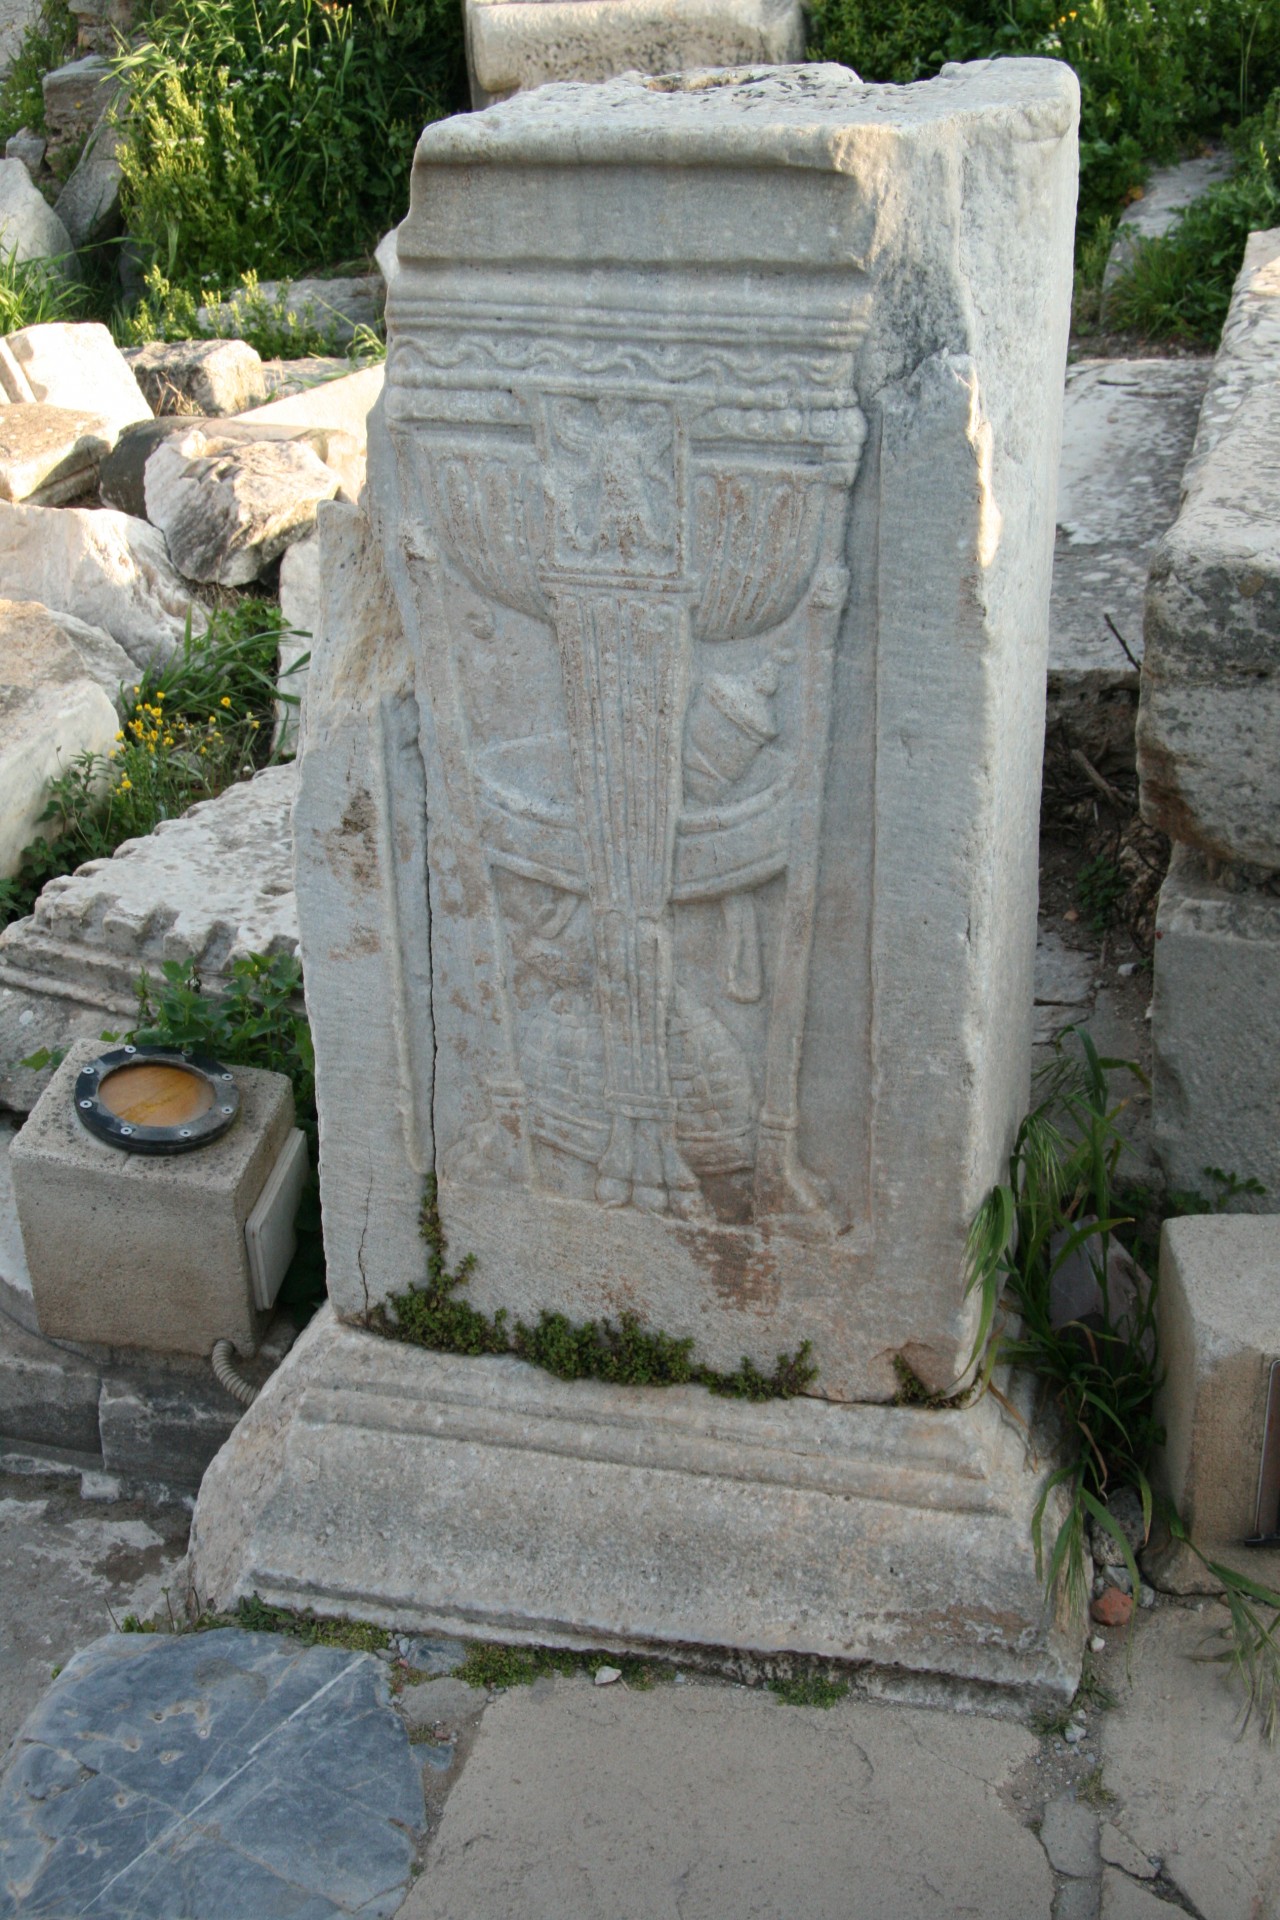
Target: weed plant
x=1100, y=1370
x=810, y=1690
x=624, y=1352
x=1157, y=77
x=30, y=294
x=195, y=725
x=276, y=135
x=169, y=311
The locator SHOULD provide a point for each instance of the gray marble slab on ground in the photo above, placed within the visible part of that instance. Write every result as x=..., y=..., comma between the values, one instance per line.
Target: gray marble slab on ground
x=1127, y=433
x=210, y=1775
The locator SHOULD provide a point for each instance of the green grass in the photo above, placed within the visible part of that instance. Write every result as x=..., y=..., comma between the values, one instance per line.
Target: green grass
x=46, y=44
x=810, y=1690
x=276, y=136
x=495, y=1666
x=30, y=294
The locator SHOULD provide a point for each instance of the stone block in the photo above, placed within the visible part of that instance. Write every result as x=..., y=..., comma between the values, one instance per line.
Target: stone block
x=688, y=1110
x=525, y=43
x=25, y=623
x=212, y=887
x=1219, y=1335
x=89, y=204
x=483, y=1497
x=51, y=711
x=207, y=377
x=228, y=510
x=50, y=455
x=27, y=147
x=1215, y=1028
x=109, y=569
x=1208, y=736
x=76, y=95
x=138, y=1251
x=29, y=227
x=48, y=1397
x=300, y=605
x=1127, y=431
x=163, y=1432
x=342, y=404
x=16, y=16
x=72, y=364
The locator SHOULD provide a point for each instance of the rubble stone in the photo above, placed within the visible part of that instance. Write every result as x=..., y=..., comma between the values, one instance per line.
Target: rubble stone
x=51, y=711
x=89, y=204
x=227, y=509
x=26, y=146
x=29, y=227
x=76, y=96
x=207, y=377
x=49, y=455
x=25, y=623
x=72, y=364
x=106, y=568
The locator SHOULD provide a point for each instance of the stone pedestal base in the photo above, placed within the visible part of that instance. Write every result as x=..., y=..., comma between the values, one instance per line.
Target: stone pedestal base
x=484, y=1497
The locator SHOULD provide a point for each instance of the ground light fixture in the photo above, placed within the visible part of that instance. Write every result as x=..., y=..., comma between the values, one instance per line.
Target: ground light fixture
x=156, y=1100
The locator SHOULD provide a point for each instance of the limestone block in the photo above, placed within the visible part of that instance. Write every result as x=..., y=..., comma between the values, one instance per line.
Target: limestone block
x=1215, y=1028
x=76, y=96
x=213, y=886
x=1208, y=734
x=27, y=147
x=134, y=1251
x=122, y=475
x=15, y=17
x=300, y=605
x=524, y=43
x=722, y=746
x=106, y=568
x=72, y=364
x=1219, y=1334
x=387, y=258
x=207, y=377
x=51, y=711
x=89, y=204
x=26, y=624
x=482, y=1496
x=228, y=510
x=29, y=227
x=49, y=455
x=343, y=404
x=1127, y=431
x=334, y=308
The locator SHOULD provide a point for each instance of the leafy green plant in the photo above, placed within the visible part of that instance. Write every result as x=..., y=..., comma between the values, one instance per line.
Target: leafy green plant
x=1101, y=1369
x=269, y=324
x=47, y=42
x=277, y=135
x=622, y=1352
x=196, y=724
x=810, y=1690
x=1100, y=886
x=493, y=1665
x=30, y=294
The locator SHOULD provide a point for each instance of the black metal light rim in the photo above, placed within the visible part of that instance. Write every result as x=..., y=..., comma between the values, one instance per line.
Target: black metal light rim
x=93, y=1113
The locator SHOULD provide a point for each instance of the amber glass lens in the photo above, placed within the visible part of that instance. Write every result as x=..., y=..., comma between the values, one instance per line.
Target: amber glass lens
x=153, y=1094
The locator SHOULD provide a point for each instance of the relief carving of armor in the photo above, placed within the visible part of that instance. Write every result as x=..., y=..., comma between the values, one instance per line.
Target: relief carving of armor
x=660, y=529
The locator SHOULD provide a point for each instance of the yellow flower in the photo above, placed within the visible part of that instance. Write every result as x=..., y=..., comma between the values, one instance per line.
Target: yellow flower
x=160, y=696
x=119, y=736
x=204, y=749
x=126, y=785
x=168, y=739
x=225, y=700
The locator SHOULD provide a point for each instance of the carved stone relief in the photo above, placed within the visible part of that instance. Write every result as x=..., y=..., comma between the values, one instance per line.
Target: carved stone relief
x=665, y=518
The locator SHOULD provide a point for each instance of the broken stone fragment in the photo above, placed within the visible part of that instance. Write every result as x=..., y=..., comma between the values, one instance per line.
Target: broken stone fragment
x=89, y=204
x=209, y=377
x=51, y=711
x=107, y=568
x=50, y=455
x=71, y=364
x=25, y=623
x=29, y=227
x=26, y=146
x=227, y=509
x=1112, y=1608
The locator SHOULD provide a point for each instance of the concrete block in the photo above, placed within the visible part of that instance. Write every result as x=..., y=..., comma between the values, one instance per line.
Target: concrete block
x=513, y=44
x=1219, y=1329
x=134, y=1251
x=1215, y=1027
x=1208, y=733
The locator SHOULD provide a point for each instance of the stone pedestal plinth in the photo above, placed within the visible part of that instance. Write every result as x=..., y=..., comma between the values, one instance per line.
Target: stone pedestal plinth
x=666, y=832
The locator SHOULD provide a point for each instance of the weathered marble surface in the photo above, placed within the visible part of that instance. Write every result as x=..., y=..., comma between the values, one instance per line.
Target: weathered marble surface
x=210, y=1775
x=526, y=43
x=730, y=762
x=1209, y=718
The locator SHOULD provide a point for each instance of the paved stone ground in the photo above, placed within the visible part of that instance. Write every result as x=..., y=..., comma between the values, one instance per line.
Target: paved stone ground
x=243, y=1777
